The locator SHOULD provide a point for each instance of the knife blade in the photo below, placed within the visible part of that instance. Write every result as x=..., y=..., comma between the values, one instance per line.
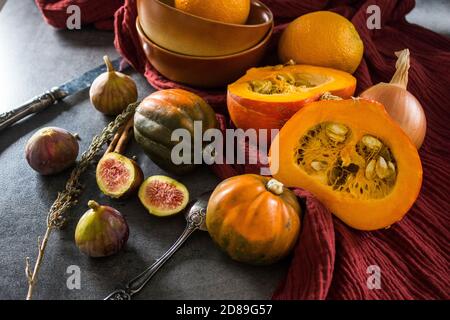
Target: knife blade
x=54, y=95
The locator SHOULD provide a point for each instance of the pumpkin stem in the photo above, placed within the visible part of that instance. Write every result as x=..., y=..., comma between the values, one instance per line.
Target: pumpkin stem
x=274, y=186
x=402, y=66
x=329, y=96
x=291, y=62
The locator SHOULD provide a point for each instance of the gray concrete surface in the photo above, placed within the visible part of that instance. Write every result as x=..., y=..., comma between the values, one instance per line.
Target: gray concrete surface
x=35, y=57
x=432, y=14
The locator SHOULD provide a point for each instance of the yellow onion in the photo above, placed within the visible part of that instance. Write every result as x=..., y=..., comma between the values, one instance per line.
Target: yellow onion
x=401, y=105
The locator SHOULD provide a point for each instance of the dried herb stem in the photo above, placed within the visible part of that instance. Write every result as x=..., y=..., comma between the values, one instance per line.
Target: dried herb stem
x=69, y=196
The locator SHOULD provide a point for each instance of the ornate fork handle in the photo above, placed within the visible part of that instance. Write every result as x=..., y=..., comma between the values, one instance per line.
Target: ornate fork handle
x=194, y=221
x=35, y=105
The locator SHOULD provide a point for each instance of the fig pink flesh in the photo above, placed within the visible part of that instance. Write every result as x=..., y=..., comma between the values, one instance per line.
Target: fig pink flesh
x=114, y=174
x=163, y=195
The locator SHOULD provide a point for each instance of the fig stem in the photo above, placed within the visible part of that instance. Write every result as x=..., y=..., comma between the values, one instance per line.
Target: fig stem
x=108, y=63
x=93, y=205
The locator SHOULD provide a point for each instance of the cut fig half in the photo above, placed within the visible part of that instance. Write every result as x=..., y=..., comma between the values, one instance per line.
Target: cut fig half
x=163, y=196
x=118, y=176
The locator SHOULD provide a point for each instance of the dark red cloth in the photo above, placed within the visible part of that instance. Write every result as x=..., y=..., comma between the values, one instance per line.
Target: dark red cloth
x=330, y=260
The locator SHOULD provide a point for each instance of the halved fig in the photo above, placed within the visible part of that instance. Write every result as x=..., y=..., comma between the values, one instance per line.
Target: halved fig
x=163, y=196
x=118, y=176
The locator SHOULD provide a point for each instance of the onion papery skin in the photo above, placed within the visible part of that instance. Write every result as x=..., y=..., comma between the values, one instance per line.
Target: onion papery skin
x=403, y=107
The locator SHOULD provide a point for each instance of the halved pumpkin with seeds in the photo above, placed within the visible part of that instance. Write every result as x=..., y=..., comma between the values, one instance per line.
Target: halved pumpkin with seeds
x=353, y=157
x=265, y=98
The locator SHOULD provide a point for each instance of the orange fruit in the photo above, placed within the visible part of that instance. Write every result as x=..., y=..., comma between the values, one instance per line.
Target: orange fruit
x=229, y=11
x=324, y=39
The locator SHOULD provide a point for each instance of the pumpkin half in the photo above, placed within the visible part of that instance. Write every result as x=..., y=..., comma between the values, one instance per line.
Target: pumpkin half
x=265, y=98
x=353, y=157
x=253, y=218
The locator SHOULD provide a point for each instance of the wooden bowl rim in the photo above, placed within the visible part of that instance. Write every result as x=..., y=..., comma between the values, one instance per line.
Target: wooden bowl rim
x=252, y=3
x=240, y=53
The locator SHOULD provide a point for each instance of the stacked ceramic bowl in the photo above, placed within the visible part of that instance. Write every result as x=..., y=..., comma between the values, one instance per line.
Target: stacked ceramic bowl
x=200, y=52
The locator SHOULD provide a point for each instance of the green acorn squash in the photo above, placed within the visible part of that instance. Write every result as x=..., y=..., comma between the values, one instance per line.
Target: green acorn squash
x=160, y=114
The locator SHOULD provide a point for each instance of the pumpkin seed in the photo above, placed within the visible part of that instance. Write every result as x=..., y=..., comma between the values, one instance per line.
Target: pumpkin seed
x=286, y=77
x=318, y=165
x=370, y=169
x=371, y=142
x=391, y=167
x=337, y=128
x=261, y=86
x=336, y=132
x=381, y=168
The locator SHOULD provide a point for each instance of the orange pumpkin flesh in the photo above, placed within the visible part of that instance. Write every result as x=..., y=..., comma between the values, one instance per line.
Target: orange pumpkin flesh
x=265, y=98
x=250, y=222
x=343, y=168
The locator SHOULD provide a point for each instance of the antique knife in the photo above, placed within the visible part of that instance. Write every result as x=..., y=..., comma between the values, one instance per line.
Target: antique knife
x=53, y=95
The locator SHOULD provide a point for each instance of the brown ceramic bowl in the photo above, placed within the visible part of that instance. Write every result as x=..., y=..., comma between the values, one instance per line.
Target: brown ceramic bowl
x=184, y=33
x=206, y=72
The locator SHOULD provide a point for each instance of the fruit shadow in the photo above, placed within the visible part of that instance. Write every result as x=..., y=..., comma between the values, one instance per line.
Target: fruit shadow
x=107, y=274
x=142, y=250
x=201, y=267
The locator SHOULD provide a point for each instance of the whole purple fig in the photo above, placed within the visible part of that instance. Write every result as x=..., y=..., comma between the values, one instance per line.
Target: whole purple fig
x=51, y=150
x=102, y=231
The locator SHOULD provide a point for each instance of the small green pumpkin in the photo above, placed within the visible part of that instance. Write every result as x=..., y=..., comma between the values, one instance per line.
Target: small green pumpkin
x=160, y=114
